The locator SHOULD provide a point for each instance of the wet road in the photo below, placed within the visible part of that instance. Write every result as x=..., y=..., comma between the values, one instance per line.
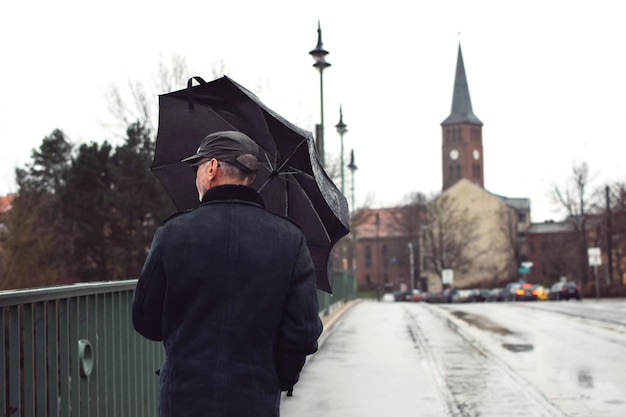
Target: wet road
x=482, y=359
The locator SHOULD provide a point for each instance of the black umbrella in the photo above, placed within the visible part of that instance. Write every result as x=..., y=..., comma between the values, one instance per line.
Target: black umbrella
x=291, y=179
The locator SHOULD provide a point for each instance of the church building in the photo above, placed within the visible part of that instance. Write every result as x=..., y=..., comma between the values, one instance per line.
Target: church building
x=462, y=145
x=497, y=224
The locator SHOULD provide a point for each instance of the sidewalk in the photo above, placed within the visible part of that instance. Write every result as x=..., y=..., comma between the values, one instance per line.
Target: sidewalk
x=368, y=365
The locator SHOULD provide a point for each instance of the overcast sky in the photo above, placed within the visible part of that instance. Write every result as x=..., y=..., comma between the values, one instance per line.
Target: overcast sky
x=547, y=79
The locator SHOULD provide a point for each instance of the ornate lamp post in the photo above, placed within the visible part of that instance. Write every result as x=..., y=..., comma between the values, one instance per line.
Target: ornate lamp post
x=319, y=55
x=412, y=266
x=352, y=167
x=341, y=129
x=378, y=260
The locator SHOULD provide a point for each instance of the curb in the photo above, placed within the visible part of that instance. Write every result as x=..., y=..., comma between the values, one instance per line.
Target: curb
x=337, y=310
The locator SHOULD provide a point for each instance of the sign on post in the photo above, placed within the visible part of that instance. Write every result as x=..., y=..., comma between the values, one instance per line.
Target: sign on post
x=447, y=276
x=595, y=258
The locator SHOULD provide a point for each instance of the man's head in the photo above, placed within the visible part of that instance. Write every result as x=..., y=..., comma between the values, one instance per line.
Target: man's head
x=227, y=157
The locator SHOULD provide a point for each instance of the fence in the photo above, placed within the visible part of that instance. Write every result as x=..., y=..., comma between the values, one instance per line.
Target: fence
x=71, y=351
x=344, y=289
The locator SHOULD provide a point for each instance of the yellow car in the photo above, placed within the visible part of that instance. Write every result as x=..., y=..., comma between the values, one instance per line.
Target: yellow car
x=540, y=292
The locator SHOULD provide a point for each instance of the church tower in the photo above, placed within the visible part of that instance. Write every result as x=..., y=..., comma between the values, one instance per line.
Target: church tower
x=462, y=137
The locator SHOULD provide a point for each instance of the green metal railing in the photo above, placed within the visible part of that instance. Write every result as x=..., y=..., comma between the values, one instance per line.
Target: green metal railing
x=71, y=351
x=344, y=289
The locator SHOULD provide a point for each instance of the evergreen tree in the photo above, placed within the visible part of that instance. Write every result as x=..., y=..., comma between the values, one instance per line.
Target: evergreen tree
x=139, y=201
x=37, y=244
x=86, y=207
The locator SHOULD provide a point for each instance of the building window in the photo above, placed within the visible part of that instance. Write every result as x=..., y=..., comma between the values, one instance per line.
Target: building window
x=521, y=217
x=458, y=172
x=475, y=134
x=476, y=171
x=368, y=256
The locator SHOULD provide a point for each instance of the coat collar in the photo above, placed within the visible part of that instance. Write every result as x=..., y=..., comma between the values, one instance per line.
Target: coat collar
x=231, y=192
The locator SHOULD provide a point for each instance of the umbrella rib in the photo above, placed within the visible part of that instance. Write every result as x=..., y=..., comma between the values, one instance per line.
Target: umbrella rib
x=297, y=171
x=314, y=211
x=291, y=155
x=277, y=171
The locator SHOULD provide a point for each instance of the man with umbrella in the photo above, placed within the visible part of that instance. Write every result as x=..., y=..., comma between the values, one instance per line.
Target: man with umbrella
x=230, y=289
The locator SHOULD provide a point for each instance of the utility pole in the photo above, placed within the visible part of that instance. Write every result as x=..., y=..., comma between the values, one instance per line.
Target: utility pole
x=609, y=235
x=378, y=278
x=412, y=266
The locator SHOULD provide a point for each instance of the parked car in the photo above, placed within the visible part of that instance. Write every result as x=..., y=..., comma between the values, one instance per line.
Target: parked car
x=541, y=292
x=519, y=291
x=496, y=294
x=437, y=297
x=508, y=293
x=564, y=291
x=464, y=296
x=402, y=295
x=426, y=296
x=406, y=295
x=481, y=294
x=448, y=294
x=389, y=297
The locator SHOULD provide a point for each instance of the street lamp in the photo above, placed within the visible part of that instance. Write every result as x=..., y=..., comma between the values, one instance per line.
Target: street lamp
x=352, y=167
x=319, y=55
x=412, y=266
x=378, y=260
x=341, y=129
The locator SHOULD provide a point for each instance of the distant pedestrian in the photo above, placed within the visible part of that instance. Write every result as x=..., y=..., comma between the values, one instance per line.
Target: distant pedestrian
x=230, y=290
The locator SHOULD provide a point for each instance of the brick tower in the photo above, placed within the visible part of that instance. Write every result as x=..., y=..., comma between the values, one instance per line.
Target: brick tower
x=462, y=137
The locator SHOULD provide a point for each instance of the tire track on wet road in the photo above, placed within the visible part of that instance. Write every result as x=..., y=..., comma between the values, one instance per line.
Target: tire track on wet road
x=473, y=379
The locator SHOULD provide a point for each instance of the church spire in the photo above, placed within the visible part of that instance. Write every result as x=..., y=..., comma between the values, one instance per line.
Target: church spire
x=461, y=103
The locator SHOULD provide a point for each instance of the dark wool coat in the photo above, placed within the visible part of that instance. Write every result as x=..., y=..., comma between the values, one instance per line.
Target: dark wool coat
x=230, y=290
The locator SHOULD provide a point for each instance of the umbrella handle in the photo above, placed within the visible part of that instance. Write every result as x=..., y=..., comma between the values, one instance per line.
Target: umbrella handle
x=190, y=93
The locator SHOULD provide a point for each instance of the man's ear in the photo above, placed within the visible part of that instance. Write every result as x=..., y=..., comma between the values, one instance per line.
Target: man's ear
x=210, y=171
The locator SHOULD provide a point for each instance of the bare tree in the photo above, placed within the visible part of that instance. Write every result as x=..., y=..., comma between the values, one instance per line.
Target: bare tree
x=410, y=219
x=611, y=231
x=576, y=198
x=617, y=229
x=136, y=100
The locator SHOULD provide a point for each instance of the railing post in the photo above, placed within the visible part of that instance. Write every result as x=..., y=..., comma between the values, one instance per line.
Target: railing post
x=52, y=352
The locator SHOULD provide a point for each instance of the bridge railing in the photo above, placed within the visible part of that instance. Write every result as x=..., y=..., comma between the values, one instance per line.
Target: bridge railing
x=72, y=351
x=344, y=289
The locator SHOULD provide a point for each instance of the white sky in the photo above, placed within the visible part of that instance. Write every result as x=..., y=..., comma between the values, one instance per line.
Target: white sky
x=546, y=77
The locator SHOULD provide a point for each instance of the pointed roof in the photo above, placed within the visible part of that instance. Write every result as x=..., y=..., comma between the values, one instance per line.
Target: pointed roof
x=461, y=103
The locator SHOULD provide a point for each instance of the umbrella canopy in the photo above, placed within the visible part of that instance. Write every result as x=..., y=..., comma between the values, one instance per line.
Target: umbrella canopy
x=291, y=179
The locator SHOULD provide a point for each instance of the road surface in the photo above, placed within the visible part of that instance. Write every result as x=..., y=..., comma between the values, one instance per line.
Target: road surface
x=479, y=359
